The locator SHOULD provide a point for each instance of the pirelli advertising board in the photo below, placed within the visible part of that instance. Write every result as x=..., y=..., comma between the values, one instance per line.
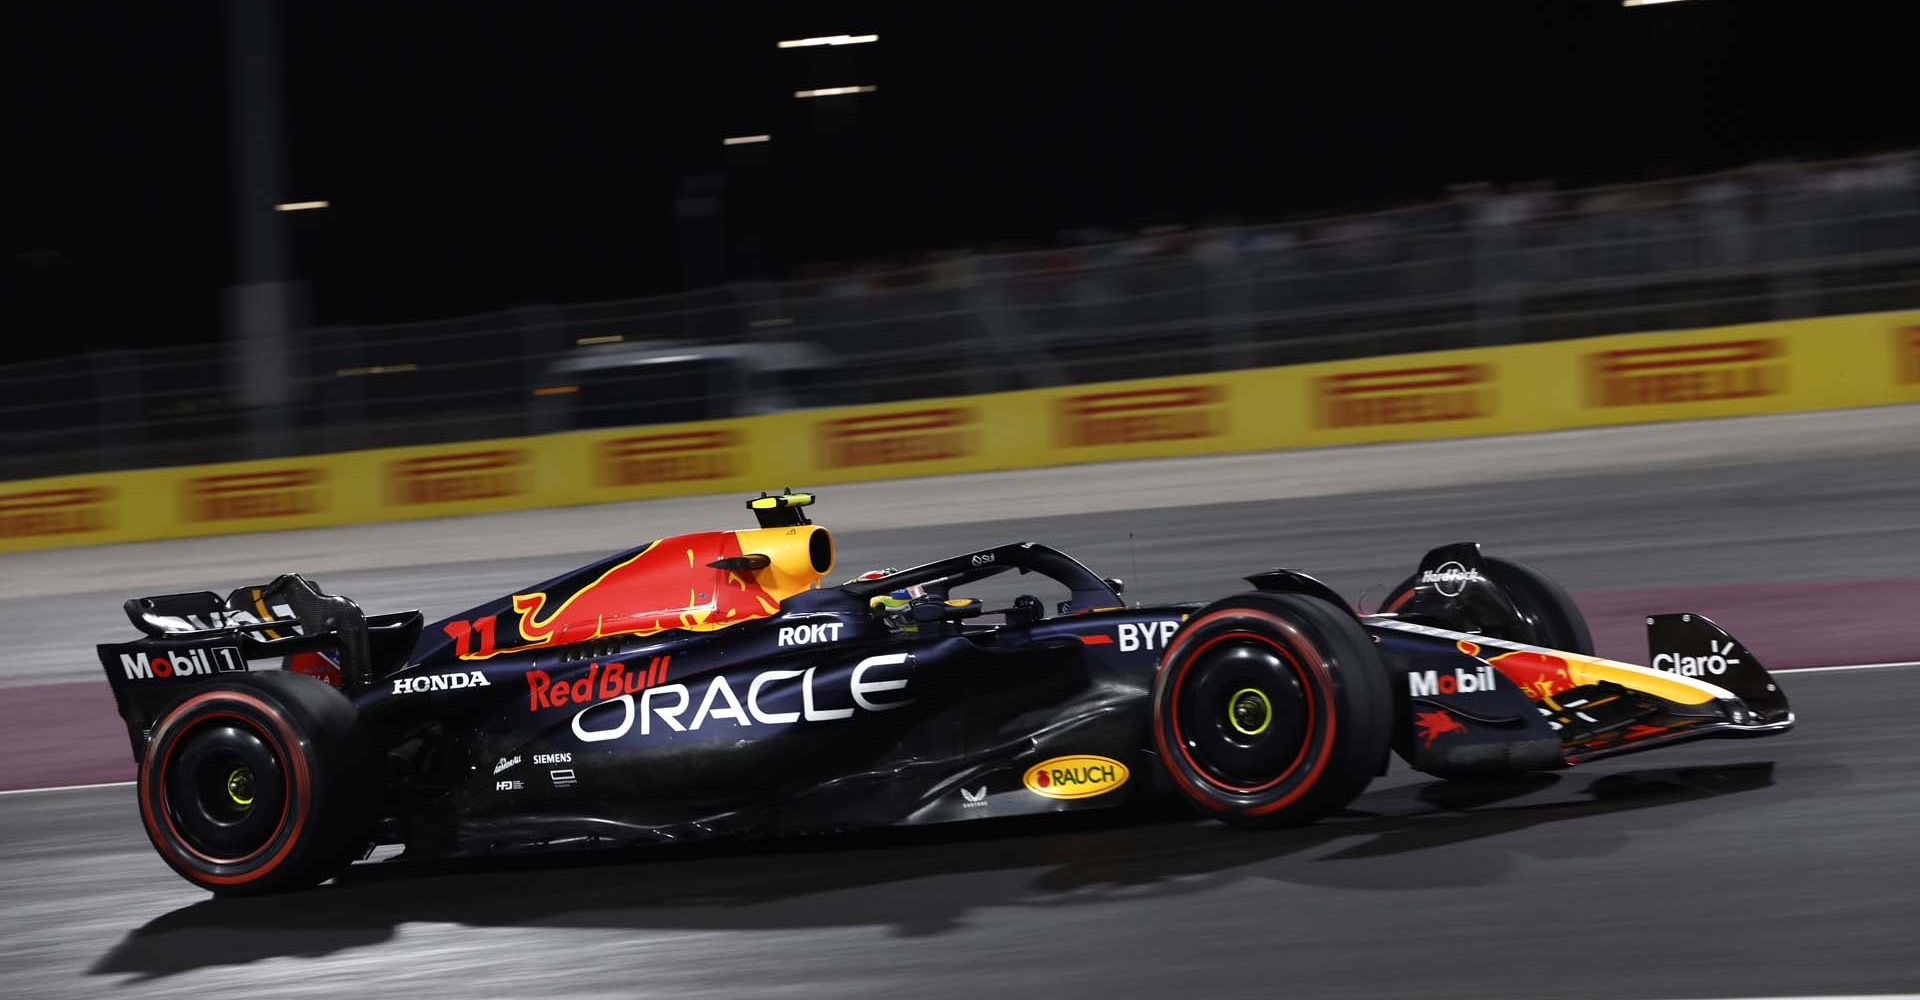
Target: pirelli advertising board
x=1833, y=362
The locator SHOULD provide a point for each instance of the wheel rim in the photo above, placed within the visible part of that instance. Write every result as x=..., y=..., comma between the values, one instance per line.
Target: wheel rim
x=240, y=786
x=1250, y=711
x=225, y=790
x=1242, y=712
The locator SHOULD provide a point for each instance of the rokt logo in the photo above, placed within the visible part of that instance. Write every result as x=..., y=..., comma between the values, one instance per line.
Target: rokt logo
x=806, y=635
x=1175, y=413
x=1077, y=776
x=900, y=436
x=1688, y=373
x=1405, y=396
x=472, y=475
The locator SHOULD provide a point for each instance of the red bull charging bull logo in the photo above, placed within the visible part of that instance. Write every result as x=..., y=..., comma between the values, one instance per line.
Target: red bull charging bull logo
x=1540, y=675
x=667, y=585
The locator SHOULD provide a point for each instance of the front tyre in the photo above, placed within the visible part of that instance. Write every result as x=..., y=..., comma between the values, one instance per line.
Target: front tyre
x=249, y=784
x=1272, y=709
x=1547, y=616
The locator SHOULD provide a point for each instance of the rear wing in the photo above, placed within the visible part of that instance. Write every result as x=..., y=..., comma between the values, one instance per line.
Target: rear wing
x=190, y=638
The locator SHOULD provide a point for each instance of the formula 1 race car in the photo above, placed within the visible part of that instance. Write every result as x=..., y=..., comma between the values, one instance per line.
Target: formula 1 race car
x=709, y=684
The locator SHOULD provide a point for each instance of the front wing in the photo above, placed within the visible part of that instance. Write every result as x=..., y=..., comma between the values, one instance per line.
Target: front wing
x=1477, y=704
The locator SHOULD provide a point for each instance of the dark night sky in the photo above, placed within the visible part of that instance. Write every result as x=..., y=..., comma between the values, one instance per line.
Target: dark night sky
x=482, y=155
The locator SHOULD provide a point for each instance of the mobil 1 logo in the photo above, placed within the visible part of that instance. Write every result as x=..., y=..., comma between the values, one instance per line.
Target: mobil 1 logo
x=182, y=663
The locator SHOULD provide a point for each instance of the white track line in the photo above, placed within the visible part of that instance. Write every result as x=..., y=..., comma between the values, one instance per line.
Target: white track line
x=1850, y=666
x=1849, y=996
x=1788, y=670
x=65, y=788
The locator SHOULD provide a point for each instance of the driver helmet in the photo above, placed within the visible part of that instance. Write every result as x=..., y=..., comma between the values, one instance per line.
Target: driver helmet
x=895, y=599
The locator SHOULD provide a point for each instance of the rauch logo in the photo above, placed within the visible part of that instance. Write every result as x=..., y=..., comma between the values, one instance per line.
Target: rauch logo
x=1176, y=413
x=54, y=512
x=902, y=436
x=1688, y=373
x=470, y=475
x=1077, y=776
x=669, y=458
x=280, y=493
x=1405, y=396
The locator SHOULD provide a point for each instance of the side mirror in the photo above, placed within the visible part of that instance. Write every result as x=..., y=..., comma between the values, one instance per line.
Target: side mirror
x=1118, y=585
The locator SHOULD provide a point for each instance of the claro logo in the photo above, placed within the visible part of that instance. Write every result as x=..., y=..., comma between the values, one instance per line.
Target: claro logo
x=669, y=458
x=1687, y=373
x=279, y=493
x=1714, y=662
x=1175, y=413
x=1079, y=776
x=469, y=475
x=1405, y=396
x=55, y=512
x=901, y=436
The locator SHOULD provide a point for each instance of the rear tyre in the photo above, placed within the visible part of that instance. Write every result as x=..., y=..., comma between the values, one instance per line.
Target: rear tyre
x=1271, y=709
x=1548, y=615
x=253, y=784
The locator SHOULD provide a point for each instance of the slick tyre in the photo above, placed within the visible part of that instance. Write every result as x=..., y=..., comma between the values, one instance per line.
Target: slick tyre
x=1271, y=709
x=1549, y=616
x=252, y=784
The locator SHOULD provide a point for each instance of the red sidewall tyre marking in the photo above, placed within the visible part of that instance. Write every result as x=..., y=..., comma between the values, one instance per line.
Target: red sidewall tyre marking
x=1320, y=686
x=297, y=803
x=1174, y=709
x=285, y=801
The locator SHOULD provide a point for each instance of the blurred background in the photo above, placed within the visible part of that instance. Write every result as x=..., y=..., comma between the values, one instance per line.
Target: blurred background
x=250, y=229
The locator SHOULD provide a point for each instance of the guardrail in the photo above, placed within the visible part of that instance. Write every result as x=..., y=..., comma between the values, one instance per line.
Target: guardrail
x=1485, y=268
x=1812, y=364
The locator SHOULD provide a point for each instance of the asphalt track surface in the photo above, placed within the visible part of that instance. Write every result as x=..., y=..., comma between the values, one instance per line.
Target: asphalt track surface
x=1773, y=867
x=1755, y=868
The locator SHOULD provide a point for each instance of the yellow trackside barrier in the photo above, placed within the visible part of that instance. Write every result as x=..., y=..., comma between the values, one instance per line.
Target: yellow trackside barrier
x=1827, y=363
